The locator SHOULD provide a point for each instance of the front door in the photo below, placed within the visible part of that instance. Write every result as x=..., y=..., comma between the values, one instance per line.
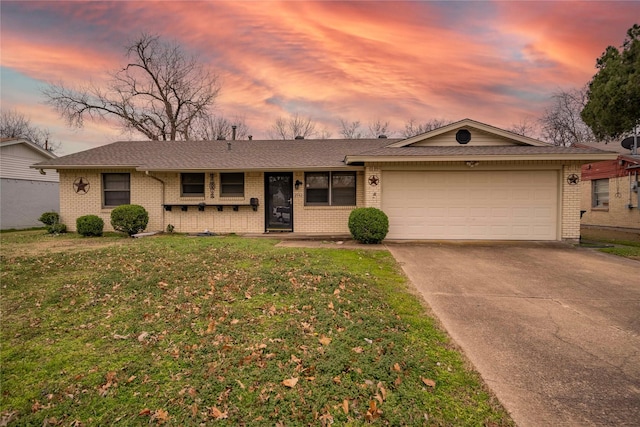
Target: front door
x=279, y=205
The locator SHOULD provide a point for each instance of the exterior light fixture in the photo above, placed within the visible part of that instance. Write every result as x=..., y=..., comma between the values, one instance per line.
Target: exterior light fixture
x=298, y=184
x=472, y=163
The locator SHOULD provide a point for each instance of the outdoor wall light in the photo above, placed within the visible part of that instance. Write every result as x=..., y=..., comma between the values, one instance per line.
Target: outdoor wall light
x=472, y=163
x=298, y=184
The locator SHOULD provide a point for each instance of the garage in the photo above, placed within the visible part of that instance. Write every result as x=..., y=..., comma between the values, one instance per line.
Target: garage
x=471, y=205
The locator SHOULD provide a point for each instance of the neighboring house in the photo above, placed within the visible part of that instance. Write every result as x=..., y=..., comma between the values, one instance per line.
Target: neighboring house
x=25, y=193
x=466, y=180
x=610, y=195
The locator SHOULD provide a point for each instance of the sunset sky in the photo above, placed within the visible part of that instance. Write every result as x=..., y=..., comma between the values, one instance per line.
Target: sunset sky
x=495, y=62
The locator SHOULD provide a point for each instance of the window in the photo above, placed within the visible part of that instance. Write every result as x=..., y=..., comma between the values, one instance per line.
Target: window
x=330, y=188
x=192, y=184
x=317, y=188
x=116, y=189
x=600, y=197
x=232, y=184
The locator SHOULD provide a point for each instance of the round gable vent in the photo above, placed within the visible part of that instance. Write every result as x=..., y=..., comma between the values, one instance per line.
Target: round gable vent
x=463, y=136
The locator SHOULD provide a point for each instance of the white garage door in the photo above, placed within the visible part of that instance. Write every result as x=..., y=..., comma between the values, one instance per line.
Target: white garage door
x=500, y=205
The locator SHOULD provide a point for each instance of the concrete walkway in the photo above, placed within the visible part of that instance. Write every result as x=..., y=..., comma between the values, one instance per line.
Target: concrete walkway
x=554, y=330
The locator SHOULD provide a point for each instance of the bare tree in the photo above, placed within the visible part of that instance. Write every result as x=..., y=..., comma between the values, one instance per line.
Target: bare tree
x=350, y=130
x=378, y=127
x=16, y=125
x=219, y=127
x=159, y=93
x=561, y=123
x=324, y=133
x=413, y=128
x=292, y=127
x=526, y=127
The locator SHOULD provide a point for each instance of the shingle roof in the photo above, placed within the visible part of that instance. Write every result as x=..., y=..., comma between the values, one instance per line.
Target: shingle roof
x=287, y=155
x=213, y=155
x=482, y=150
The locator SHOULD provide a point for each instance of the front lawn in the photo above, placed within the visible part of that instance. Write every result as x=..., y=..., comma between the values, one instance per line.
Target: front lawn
x=177, y=330
x=624, y=248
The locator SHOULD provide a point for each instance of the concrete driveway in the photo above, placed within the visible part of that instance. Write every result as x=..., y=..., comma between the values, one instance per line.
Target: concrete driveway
x=554, y=330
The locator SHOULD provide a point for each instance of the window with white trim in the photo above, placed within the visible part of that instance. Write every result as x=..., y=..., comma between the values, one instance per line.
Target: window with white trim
x=600, y=193
x=330, y=188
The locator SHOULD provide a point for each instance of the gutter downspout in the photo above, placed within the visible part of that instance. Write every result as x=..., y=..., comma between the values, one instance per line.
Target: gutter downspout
x=163, y=198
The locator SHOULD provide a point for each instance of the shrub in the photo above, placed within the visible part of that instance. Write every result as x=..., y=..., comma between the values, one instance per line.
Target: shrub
x=90, y=225
x=49, y=218
x=368, y=225
x=52, y=221
x=130, y=219
x=57, y=228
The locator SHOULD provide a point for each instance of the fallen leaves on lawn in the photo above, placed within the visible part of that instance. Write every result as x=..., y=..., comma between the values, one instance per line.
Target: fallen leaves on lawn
x=325, y=340
x=290, y=382
x=217, y=413
x=428, y=382
x=160, y=415
x=111, y=380
x=373, y=412
x=212, y=327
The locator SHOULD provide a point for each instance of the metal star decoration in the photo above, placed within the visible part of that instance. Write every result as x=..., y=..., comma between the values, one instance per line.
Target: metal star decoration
x=374, y=180
x=573, y=179
x=81, y=186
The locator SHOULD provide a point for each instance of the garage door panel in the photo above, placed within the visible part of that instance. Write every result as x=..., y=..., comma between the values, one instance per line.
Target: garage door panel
x=504, y=205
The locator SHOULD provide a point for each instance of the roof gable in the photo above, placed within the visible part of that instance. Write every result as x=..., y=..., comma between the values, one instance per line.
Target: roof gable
x=17, y=145
x=480, y=135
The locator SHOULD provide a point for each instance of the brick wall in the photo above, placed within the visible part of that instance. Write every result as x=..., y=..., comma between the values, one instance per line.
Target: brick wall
x=618, y=214
x=324, y=219
x=145, y=191
x=570, y=200
x=153, y=190
x=156, y=189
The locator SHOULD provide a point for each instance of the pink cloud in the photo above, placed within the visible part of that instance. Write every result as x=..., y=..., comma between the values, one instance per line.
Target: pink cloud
x=492, y=61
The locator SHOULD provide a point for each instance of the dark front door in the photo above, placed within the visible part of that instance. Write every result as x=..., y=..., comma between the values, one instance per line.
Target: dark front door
x=279, y=205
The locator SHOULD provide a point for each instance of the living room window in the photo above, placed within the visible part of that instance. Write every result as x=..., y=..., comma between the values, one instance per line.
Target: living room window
x=232, y=184
x=192, y=184
x=116, y=189
x=330, y=188
x=600, y=193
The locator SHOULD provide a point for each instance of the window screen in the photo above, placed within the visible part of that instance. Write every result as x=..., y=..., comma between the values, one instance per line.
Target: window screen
x=116, y=189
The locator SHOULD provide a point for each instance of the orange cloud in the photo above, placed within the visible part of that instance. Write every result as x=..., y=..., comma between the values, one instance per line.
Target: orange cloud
x=492, y=61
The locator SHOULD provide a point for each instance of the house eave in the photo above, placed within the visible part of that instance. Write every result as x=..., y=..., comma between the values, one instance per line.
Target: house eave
x=475, y=157
x=78, y=167
x=254, y=169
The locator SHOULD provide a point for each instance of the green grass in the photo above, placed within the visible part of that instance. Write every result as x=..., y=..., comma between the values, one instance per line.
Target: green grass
x=183, y=331
x=623, y=248
x=624, y=251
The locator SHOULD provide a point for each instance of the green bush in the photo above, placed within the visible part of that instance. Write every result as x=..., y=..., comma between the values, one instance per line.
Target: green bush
x=130, y=219
x=90, y=225
x=368, y=225
x=52, y=221
x=49, y=218
x=57, y=228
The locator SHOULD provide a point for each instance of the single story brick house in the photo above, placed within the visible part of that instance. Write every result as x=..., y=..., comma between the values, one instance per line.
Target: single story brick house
x=611, y=190
x=466, y=180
